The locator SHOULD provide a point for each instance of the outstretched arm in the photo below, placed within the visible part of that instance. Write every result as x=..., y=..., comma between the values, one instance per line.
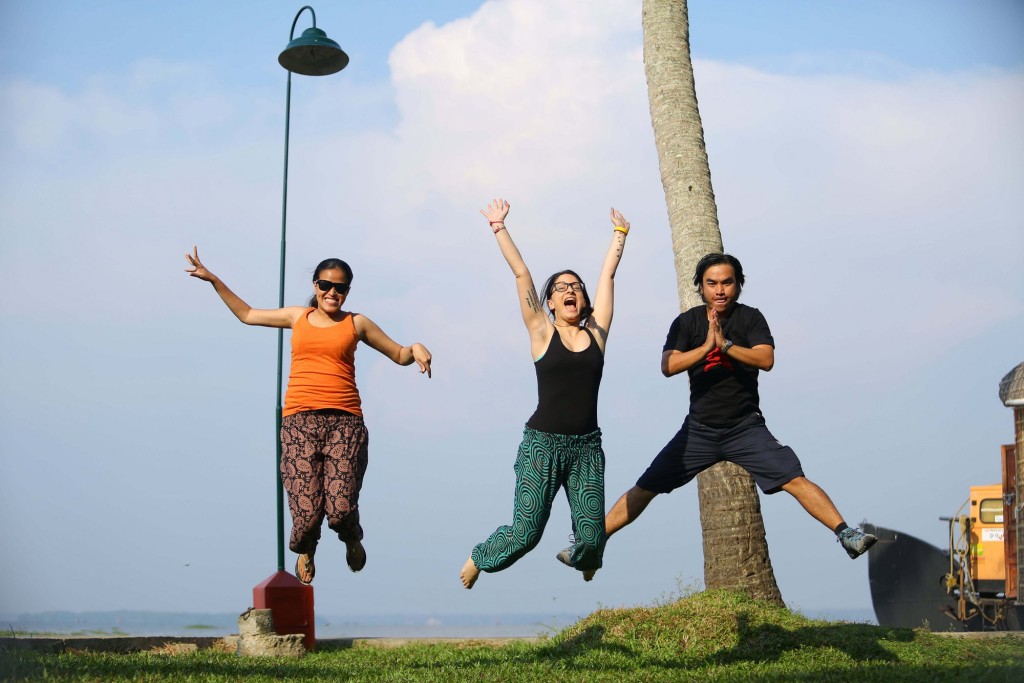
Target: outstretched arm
x=604, y=301
x=275, y=317
x=378, y=340
x=530, y=305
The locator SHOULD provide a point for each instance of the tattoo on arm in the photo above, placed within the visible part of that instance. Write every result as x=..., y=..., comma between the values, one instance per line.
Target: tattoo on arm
x=532, y=301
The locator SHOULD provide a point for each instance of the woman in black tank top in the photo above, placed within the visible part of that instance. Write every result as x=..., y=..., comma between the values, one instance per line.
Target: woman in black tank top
x=561, y=446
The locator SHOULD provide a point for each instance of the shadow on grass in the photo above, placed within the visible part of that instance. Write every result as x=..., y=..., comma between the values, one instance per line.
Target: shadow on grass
x=762, y=643
x=820, y=647
x=770, y=642
x=590, y=638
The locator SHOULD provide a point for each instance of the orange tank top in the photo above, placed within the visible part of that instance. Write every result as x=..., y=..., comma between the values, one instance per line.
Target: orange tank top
x=323, y=371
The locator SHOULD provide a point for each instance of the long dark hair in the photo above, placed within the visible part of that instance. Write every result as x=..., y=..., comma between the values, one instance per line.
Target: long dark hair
x=549, y=287
x=329, y=264
x=718, y=260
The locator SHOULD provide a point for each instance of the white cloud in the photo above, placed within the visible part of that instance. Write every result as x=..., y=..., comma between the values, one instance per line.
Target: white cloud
x=520, y=94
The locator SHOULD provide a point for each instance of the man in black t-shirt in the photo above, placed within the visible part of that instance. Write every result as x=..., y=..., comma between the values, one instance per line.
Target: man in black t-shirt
x=723, y=345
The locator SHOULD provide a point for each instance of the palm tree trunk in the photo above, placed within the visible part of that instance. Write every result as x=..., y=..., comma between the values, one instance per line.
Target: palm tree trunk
x=735, y=548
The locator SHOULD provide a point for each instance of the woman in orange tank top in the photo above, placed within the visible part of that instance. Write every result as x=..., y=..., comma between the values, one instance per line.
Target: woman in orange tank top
x=323, y=438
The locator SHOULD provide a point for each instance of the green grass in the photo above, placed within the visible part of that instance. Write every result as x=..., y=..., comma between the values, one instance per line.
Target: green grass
x=710, y=636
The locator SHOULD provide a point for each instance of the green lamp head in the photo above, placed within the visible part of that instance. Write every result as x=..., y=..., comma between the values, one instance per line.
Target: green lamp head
x=313, y=54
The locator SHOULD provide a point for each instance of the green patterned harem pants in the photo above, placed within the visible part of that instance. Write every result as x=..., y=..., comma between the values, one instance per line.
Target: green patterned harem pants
x=545, y=463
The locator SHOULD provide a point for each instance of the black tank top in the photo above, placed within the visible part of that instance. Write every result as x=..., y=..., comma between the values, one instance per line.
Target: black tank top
x=567, y=384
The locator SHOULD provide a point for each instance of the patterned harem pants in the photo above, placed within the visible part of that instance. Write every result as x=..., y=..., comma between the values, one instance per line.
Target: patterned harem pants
x=545, y=463
x=323, y=460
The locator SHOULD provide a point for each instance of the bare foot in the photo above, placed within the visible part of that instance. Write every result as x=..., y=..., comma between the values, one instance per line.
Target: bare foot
x=469, y=573
x=355, y=555
x=305, y=570
x=589, y=574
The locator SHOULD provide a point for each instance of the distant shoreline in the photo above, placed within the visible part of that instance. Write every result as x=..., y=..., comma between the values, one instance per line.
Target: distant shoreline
x=218, y=624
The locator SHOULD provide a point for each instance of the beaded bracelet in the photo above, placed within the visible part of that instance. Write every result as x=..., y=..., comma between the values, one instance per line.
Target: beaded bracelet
x=497, y=230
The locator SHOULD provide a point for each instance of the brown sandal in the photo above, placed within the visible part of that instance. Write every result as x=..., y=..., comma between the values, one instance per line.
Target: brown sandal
x=305, y=570
x=355, y=556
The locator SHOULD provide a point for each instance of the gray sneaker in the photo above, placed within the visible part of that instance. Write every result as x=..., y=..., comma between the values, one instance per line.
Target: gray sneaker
x=565, y=557
x=855, y=542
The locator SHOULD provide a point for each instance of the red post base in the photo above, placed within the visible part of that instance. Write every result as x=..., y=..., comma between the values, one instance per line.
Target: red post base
x=290, y=603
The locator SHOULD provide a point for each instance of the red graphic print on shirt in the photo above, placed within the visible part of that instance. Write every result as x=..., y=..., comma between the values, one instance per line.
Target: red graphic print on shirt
x=716, y=358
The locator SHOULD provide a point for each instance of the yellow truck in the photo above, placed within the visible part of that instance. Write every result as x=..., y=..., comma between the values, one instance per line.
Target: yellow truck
x=975, y=583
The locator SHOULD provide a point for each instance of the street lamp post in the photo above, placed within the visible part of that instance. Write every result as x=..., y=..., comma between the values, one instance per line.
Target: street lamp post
x=311, y=54
x=291, y=602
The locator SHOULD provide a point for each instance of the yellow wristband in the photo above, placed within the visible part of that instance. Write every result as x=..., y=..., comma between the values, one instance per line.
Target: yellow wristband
x=623, y=229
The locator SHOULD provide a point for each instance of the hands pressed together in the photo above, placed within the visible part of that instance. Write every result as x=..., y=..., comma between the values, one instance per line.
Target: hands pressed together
x=716, y=338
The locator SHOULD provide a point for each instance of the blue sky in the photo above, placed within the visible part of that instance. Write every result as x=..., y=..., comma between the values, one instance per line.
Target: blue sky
x=867, y=165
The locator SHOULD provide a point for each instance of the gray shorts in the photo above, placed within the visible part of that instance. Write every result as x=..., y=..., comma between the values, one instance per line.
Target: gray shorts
x=697, y=446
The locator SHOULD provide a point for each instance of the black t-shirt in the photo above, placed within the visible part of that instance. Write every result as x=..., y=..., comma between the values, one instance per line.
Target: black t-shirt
x=723, y=391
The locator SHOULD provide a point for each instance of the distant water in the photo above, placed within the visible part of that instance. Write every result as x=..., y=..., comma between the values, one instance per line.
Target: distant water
x=137, y=623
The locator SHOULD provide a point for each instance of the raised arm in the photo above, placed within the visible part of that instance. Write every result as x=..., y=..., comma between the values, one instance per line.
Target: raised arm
x=532, y=308
x=274, y=317
x=378, y=340
x=604, y=300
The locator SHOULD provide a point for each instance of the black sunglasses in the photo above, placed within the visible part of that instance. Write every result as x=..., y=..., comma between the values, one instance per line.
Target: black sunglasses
x=339, y=287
